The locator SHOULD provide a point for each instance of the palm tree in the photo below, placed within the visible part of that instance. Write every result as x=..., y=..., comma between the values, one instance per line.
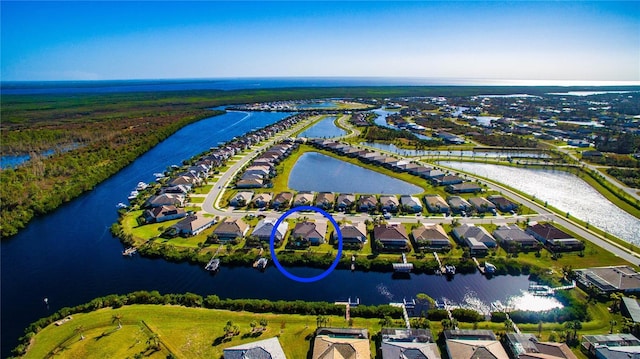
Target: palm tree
x=263, y=323
x=80, y=329
x=154, y=341
x=616, y=298
x=117, y=318
x=613, y=324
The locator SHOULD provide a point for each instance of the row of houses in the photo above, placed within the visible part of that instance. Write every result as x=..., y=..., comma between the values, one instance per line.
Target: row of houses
x=263, y=167
x=369, y=202
x=401, y=343
x=174, y=191
x=454, y=184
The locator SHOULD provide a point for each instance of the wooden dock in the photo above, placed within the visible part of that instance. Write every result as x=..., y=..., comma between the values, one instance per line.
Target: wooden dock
x=440, y=265
x=480, y=268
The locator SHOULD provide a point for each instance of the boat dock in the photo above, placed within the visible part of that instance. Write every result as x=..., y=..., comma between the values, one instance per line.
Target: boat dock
x=348, y=304
x=214, y=263
x=480, y=268
x=440, y=265
x=404, y=267
x=405, y=314
x=545, y=290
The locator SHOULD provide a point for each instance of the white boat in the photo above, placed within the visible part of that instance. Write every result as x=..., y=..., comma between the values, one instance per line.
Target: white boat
x=129, y=251
x=141, y=186
x=450, y=269
x=121, y=205
x=261, y=263
x=133, y=195
x=213, y=265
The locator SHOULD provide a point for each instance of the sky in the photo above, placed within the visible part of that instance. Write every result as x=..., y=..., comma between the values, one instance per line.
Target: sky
x=513, y=41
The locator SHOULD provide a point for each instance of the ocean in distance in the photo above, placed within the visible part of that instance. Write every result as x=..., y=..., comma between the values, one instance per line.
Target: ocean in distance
x=225, y=84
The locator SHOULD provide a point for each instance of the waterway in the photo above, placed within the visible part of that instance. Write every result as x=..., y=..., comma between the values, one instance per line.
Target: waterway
x=326, y=128
x=320, y=173
x=564, y=191
x=69, y=256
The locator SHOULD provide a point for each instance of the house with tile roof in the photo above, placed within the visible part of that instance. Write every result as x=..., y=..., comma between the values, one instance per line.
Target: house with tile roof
x=527, y=346
x=431, y=237
x=367, y=202
x=411, y=204
x=265, y=226
x=345, y=201
x=401, y=343
x=325, y=200
x=473, y=344
x=354, y=233
x=311, y=232
x=261, y=349
x=341, y=343
x=231, y=229
x=391, y=235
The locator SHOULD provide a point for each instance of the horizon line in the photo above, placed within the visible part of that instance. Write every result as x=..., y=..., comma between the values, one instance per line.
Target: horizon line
x=411, y=81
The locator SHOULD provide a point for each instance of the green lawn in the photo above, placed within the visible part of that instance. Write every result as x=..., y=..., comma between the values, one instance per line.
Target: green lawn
x=184, y=332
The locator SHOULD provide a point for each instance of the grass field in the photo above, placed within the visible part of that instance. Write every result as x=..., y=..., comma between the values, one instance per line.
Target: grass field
x=156, y=331
x=183, y=332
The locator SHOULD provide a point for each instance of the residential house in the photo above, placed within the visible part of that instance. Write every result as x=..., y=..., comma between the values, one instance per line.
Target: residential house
x=282, y=200
x=458, y=204
x=481, y=204
x=179, y=189
x=465, y=187
x=241, y=199
x=389, y=203
x=408, y=344
x=231, y=229
x=163, y=213
x=630, y=308
x=553, y=238
x=345, y=201
x=341, y=343
x=184, y=180
x=436, y=204
x=193, y=224
x=392, y=235
x=503, y=204
x=312, y=232
x=411, y=204
x=477, y=239
x=261, y=349
x=473, y=344
x=165, y=199
x=432, y=237
x=303, y=199
x=446, y=180
x=264, y=228
x=512, y=237
x=355, y=233
x=250, y=183
x=325, y=200
x=367, y=202
x=606, y=344
x=609, y=279
x=527, y=346
x=261, y=200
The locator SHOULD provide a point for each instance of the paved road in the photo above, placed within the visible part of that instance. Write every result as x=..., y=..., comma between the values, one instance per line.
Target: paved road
x=633, y=192
x=210, y=205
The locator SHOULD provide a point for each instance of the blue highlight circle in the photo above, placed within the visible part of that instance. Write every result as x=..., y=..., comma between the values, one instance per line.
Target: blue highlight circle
x=333, y=265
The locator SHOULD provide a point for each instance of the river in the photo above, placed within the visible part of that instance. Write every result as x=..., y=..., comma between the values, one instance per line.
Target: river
x=69, y=256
